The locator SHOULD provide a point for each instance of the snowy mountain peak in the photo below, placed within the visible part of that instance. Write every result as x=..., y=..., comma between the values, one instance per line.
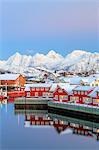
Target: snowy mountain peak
x=78, y=52
x=76, y=61
x=17, y=54
x=52, y=54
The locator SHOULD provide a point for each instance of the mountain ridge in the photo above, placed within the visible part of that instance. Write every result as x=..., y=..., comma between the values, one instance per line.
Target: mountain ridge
x=76, y=61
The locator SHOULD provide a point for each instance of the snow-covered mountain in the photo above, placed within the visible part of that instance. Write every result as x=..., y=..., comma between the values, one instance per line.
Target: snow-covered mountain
x=77, y=61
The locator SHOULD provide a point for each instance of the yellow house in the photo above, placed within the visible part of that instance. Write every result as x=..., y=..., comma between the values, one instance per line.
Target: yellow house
x=90, y=81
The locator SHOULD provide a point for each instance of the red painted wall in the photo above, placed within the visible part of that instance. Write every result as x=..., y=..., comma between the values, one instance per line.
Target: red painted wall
x=60, y=93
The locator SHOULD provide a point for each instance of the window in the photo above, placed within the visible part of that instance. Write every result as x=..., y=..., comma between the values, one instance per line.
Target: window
x=87, y=100
x=46, y=89
x=96, y=100
x=50, y=94
x=60, y=90
x=65, y=97
x=28, y=94
x=44, y=94
x=36, y=94
x=56, y=97
x=61, y=97
x=28, y=117
x=72, y=98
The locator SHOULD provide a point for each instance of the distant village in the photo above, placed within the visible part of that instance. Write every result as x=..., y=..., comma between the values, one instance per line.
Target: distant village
x=59, y=87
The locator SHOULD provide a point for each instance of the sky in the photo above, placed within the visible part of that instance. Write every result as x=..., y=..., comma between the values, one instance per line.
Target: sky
x=31, y=26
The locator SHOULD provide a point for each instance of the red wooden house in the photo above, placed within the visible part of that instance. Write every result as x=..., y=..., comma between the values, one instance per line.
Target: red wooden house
x=17, y=92
x=37, y=90
x=94, y=95
x=12, y=80
x=63, y=92
x=80, y=94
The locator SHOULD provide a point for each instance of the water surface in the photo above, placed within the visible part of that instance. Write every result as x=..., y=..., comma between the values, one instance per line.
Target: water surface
x=39, y=130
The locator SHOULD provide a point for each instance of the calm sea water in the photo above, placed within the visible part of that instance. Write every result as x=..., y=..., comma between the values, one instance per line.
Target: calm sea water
x=27, y=130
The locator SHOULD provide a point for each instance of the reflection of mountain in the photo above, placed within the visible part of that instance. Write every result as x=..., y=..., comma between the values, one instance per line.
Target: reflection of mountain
x=62, y=124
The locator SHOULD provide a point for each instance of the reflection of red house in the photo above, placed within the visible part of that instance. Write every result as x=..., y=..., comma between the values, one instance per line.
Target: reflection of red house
x=16, y=94
x=59, y=126
x=37, y=120
x=1, y=97
x=38, y=90
x=62, y=127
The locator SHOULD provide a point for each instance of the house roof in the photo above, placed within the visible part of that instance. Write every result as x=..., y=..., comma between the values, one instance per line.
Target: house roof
x=28, y=86
x=34, y=79
x=53, y=87
x=94, y=92
x=67, y=87
x=73, y=80
x=9, y=76
x=83, y=88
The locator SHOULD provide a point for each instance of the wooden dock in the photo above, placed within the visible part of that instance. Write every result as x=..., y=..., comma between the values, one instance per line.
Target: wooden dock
x=31, y=103
x=74, y=110
x=32, y=100
x=29, y=111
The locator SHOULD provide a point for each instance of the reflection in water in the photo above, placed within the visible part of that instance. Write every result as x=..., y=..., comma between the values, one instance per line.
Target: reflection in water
x=61, y=124
x=39, y=129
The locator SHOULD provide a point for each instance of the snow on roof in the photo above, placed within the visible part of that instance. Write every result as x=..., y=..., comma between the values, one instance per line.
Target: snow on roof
x=84, y=88
x=28, y=86
x=88, y=80
x=77, y=80
x=36, y=79
x=67, y=87
x=73, y=80
x=53, y=87
x=94, y=92
x=9, y=76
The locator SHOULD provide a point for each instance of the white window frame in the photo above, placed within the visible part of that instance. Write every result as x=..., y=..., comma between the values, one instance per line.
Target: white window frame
x=56, y=97
x=46, y=88
x=28, y=94
x=36, y=94
x=45, y=94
